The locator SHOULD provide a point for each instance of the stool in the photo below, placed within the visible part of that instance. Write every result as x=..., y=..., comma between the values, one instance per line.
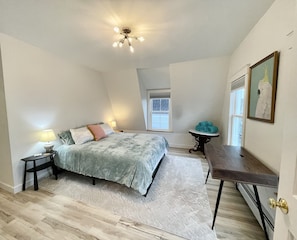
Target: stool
x=201, y=138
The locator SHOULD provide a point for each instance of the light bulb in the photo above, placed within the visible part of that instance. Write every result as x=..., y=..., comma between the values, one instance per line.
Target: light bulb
x=115, y=44
x=141, y=39
x=120, y=44
x=129, y=39
x=131, y=49
x=116, y=29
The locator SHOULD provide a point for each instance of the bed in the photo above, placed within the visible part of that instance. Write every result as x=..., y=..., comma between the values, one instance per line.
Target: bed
x=130, y=159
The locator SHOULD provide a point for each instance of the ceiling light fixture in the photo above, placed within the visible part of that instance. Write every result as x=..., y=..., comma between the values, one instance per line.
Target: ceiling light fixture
x=125, y=32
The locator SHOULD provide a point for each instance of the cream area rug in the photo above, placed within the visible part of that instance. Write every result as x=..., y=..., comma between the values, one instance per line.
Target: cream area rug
x=177, y=201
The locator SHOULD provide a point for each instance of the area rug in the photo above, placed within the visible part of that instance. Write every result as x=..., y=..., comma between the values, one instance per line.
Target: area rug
x=177, y=201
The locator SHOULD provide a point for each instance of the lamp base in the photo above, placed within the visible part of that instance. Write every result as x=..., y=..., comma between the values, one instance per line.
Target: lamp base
x=48, y=148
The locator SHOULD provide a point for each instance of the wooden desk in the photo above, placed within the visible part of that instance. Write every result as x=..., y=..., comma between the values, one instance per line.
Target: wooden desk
x=229, y=163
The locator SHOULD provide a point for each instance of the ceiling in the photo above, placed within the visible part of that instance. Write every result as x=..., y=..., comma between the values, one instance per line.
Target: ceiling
x=81, y=31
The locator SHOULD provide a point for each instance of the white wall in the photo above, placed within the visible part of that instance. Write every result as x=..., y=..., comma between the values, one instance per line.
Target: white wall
x=149, y=79
x=43, y=91
x=269, y=35
x=197, y=90
x=6, y=177
x=154, y=78
x=124, y=92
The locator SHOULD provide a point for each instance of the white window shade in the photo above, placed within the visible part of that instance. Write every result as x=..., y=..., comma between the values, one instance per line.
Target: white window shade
x=238, y=83
x=159, y=94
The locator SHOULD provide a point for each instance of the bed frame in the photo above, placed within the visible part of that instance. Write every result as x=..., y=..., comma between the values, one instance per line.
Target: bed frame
x=59, y=170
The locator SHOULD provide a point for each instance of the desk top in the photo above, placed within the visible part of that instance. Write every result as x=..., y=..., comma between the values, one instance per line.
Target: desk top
x=232, y=163
x=192, y=131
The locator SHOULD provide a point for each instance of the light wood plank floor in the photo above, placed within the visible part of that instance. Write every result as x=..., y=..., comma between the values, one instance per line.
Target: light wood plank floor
x=234, y=219
x=42, y=215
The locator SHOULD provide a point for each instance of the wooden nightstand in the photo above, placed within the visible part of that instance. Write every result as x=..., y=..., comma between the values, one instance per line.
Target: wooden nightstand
x=35, y=169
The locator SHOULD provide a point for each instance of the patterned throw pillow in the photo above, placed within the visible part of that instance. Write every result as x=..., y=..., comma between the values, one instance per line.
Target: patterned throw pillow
x=81, y=135
x=66, y=137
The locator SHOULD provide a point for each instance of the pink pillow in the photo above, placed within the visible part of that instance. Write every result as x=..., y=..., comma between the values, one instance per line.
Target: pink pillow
x=97, y=131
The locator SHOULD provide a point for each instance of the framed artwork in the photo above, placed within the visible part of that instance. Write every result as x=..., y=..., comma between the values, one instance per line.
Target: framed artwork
x=262, y=88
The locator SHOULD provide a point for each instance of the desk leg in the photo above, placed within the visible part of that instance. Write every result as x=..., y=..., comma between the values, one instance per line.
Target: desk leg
x=35, y=177
x=207, y=176
x=217, y=203
x=260, y=211
x=25, y=174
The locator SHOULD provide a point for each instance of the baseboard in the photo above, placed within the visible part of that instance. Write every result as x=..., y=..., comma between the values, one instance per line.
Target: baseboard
x=175, y=140
x=7, y=187
x=29, y=183
x=250, y=199
x=185, y=146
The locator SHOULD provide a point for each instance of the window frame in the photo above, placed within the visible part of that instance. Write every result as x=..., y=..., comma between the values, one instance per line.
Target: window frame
x=158, y=94
x=234, y=115
x=238, y=83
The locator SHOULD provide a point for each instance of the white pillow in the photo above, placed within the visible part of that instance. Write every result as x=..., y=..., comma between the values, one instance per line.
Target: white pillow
x=106, y=128
x=81, y=135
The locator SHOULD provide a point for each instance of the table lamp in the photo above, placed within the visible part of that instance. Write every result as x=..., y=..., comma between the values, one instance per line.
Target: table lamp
x=48, y=136
x=113, y=124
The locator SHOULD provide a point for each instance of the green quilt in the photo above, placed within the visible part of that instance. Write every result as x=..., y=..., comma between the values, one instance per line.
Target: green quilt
x=125, y=158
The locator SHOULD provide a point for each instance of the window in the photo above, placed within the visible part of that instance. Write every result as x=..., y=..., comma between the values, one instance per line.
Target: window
x=159, y=110
x=236, y=112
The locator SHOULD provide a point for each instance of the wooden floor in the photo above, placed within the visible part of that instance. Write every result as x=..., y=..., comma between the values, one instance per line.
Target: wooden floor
x=234, y=219
x=42, y=215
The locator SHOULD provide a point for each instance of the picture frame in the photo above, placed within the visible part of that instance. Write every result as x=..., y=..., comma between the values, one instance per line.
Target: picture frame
x=262, y=88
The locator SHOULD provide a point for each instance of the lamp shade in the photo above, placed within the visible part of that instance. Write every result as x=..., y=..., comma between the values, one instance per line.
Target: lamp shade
x=47, y=136
x=113, y=124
